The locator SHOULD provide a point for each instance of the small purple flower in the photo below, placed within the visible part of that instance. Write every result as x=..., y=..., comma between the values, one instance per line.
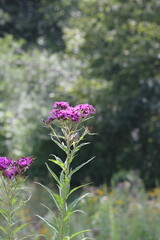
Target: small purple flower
x=62, y=111
x=10, y=172
x=25, y=161
x=12, y=168
x=4, y=162
x=61, y=105
x=23, y=164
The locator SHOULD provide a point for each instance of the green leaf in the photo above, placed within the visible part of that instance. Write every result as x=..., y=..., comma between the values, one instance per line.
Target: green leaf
x=57, y=158
x=56, y=198
x=76, y=188
x=76, y=149
x=58, y=163
x=48, y=223
x=4, y=230
x=4, y=213
x=75, y=234
x=54, y=216
x=61, y=145
x=70, y=213
x=14, y=200
x=20, y=227
x=20, y=220
x=75, y=202
x=53, y=175
x=80, y=166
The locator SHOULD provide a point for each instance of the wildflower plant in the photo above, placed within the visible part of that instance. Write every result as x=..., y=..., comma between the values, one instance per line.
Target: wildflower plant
x=11, y=197
x=68, y=132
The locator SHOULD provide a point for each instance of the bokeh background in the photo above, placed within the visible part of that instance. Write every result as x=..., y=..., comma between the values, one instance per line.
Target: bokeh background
x=101, y=52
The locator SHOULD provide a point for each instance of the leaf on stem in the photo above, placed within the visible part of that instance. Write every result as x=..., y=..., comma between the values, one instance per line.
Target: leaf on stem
x=48, y=223
x=53, y=174
x=4, y=213
x=61, y=145
x=4, y=230
x=54, y=216
x=80, y=166
x=76, y=188
x=58, y=163
x=77, y=233
x=75, y=202
x=20, y=227
x=57, y=158
x=70, y=213
x=58, y=200
x=79, y=146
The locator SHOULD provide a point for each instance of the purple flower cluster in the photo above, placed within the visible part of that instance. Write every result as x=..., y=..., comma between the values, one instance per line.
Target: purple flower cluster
x=12, y=168
x=63, y=111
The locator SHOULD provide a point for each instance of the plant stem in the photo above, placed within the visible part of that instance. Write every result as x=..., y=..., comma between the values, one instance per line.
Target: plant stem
x=65, y=185
x=9, y=194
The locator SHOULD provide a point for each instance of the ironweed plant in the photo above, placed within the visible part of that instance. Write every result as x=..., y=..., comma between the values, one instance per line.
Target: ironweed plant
x=11, y=197
x=68, y=132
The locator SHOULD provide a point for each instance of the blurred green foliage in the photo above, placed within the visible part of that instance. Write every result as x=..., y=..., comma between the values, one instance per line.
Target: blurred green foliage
x=109, y=57
x=123, y=212
x=39, y=22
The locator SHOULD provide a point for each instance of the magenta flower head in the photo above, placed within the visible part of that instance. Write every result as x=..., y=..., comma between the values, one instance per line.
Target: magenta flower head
x=63, y=111
x=60, y=105
x=4, y=162
x=23, y=164
x=10, y=172
x=12, y=168
x=25, y=161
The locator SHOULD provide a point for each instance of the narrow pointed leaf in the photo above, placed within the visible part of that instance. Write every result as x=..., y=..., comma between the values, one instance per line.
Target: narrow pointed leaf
x=75, y=234
x=20, y=227
x=57, y=163
x=57, y=199
x=80, y=166
x=57, y=158
x=47, y=222
x=53, y=174
x=4, y=230
x=4, y=213
x=62, y=146
x=70, y=213
x=75, y=202
x=54, y=216
x=76, y=188
x=76, y=149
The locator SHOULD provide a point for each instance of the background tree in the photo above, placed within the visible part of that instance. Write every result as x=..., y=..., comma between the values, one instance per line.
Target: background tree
x=120, y=41
x=108, y=54
x=39, y=22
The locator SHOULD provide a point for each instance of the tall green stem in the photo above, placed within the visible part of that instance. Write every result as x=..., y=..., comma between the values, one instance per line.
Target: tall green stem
x=8, y=195
x=64, y=186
